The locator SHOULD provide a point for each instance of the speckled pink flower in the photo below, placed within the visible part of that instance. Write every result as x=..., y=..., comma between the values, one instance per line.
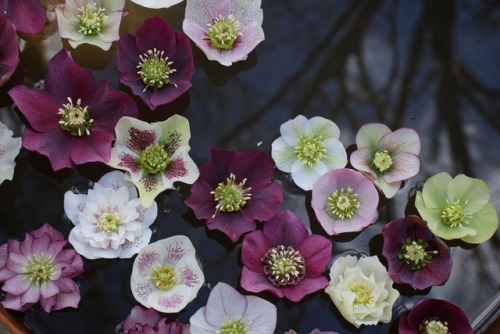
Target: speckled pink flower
x=141, y=321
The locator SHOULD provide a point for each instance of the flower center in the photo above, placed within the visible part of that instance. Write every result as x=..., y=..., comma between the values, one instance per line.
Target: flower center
x=91, y=19
x=341, y=204
x=364, y=295
x=109, y=222
x=381, y=162
x=38, y=269
x=233, y=327
x=223, y=32
x=414, y=253
x=163, y=277
x=310, y=149
x=155, y=69
x=154, y=158
x=75, y=119
x=230, y=196
x=433, y=325
x=284, y=265
x=453, y=214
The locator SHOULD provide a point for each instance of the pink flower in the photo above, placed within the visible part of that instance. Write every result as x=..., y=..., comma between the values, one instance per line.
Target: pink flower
x=141, y=321
x=39, y=269
x=73, y=120
x=27, y=16
x=9, y=57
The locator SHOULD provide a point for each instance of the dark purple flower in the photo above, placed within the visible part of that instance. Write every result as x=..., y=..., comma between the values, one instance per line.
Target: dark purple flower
x=39, y=269
x=414, y=254
x=73, y=120
x=27, y=16
x=284, y=260
x=434, y=316
x=141, y=321
x=156, y=63
x=233, y=191
x=9, y=53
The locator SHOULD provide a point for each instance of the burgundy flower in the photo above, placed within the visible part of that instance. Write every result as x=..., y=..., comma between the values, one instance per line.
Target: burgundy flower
x=27, y=16
x=39, y=269
x=9, y=53
x=284, y=260
x=434, y=316
x=157, y=63
x=415, y=255
x=141, y=321
x=233, y=191
x=73, y=120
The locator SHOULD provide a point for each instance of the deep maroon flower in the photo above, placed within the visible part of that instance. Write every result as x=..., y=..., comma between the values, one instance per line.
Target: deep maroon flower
x=434, y=316
x=9, y=53
x=157, y=63
x=233, y=191
x=39, y=269
x=415, y=255
x=27, y=16
x=284, y=260
x=73, y=120
x=141, y=321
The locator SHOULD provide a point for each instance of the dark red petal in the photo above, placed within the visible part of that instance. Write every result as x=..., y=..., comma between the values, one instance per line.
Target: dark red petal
x=317, y=252
x=216, y=169
x=255, y=166
x=232, y=224
x=255, y=245
x=264, y=203
x=286, y=229
x=18, y=12
x=307, y=286
x=55, y=144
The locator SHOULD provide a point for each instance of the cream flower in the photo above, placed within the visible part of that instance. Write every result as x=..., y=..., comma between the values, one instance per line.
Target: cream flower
x=9, y=149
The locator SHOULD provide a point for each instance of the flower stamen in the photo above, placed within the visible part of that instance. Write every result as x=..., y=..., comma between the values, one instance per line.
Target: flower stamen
x=154, y=69
x=341, y=204
x=234, y=327
x=154, y=158
x=414, y=253
x=454, y=215
x=223, y=32
x=91, y=19
x=284, y=265
x=39, y=269
x=310, y=149
x=364, y=295
x=381, y=162
x=109, y=222
x=163, y=277
x=230, y=196
x=433, y=325
x=75, y=119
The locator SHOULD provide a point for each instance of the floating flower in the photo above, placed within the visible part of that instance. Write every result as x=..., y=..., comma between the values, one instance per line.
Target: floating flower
x=72, y=121
x=387, y=157
x=154, y=155
x=308, y=149
x=362, y=290
x=344, y=201
x=9, y=57
x=141, y=321
x=166, y=275
x=9, y=149
x=233, y=191
x=457, y=208
x=415, y=255
x=156, y=3
x=157, y=63
x=95, y=22
x=284, y=260
x=434, y=316
x=27, y=16
x=228, y=311
x=110, y=220
x=226, y=30
x=39, y=269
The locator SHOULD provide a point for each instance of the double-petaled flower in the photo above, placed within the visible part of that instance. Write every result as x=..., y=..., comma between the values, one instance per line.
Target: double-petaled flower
x=141, y=321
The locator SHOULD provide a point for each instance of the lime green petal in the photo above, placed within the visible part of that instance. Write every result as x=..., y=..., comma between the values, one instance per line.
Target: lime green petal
x=175, y=133
x=434, y=192
x=485, y=222
x=432, y=216
x=468, y=190
x=369, y=135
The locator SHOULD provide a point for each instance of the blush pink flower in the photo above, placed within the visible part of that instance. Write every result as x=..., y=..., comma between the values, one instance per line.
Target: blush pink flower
x=9, y=57
x=141, y=321
x=27, y=16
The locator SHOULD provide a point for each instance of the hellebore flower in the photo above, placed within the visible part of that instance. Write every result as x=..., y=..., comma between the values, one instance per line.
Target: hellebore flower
x=226, y=30
x=457, y=208
x=233, y=191
x=387, y=157
x=156, y=3
x=9, y=149
x=9, y=55
x=415, y=256
x=27, y=16
x=308, y=149
x=72, y=121
x=284, y=260
x=434, y=316
x=141, y=321
x=228, y=311
x=315, y=331
x=154, y=155
x=39, y=269
x=157, y=63
x=362, y=290
x=166, y=275
x=344, y=201
x=110, y=220
x=95, y=22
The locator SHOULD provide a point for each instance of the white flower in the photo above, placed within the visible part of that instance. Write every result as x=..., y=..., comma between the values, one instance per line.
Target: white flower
x=362, y=290
x=109, y=221
x=308, y=149
x=166, y=275
x=156, y=3
x=9, y=149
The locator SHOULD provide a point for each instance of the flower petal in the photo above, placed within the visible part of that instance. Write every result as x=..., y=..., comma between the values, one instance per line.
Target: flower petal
x=292, y=129
x=404, y=166
x=484, y=222
x=402, y=140
x=286, y=229
x=369, y=135
x=264, y=203
x=472, y=193
x=224, y=303
x=317, y=252
x=295, y=293
x=255, y=245
x=284, y=155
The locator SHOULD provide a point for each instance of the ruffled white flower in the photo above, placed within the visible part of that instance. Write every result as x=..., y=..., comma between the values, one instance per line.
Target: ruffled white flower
x=362, y=290
x=109, y=221
x=9, y=149
x=166, y=275
x=308, y=149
